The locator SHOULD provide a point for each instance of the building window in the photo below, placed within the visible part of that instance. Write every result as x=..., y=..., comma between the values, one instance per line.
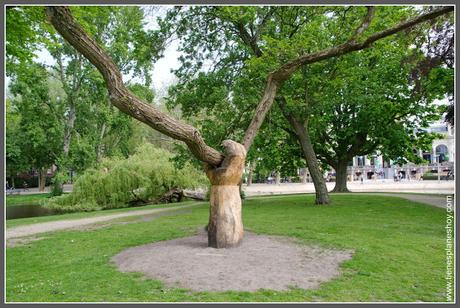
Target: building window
x=442, y=152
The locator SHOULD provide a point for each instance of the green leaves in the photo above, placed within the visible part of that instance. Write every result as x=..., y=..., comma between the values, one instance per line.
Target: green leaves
x=36, y=132
x=146, y=175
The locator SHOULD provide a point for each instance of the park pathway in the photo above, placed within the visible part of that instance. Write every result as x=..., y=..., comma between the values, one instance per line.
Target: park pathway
x=56, y=225
x=32, y=229
x=438, y=201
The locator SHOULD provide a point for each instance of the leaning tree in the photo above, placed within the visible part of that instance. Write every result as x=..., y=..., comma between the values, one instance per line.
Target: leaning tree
x=224, y=170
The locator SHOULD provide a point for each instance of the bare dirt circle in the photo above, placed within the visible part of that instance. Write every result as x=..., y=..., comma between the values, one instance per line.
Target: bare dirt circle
x=260, y=262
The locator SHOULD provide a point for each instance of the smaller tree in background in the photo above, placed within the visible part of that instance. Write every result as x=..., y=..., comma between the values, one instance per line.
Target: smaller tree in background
x=39, y=128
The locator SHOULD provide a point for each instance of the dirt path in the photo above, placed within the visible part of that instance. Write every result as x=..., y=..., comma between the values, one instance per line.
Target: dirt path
x=32, y=229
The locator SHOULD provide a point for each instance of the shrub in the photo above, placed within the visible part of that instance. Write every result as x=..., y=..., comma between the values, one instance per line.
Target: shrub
x=146, y=175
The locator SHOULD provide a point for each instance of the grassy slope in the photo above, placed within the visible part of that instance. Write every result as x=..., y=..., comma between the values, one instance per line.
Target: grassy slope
x=399, y=253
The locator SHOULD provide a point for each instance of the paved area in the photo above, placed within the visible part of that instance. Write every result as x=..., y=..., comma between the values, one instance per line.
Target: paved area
x=34, y=190
x=32, y=229
x=426, y=187
x=438, y=201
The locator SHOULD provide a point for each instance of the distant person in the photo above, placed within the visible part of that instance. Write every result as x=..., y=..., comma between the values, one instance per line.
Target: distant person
x=362, y=179
x=25, y=185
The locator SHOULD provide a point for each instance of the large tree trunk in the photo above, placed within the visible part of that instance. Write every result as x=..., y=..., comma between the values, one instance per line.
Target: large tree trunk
x=341, y=177
x=277, y=178
x=225, y=227
x=322, y=196
x=42, y=179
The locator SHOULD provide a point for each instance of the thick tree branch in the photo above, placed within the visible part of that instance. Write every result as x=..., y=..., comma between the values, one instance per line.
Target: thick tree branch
x=248, y=39
x=276, y=78
x=64, y=23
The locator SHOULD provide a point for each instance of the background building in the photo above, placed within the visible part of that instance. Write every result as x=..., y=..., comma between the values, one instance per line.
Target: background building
x=442, y=150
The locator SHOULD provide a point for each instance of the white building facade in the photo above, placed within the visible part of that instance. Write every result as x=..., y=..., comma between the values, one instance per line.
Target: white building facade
x=442, y=152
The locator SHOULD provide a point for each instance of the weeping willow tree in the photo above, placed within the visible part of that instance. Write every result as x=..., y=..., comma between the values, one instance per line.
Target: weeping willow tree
x=145, y=176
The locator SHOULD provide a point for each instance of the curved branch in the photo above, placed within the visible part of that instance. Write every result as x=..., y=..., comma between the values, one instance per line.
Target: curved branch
x=276, y=78
x=64, y=23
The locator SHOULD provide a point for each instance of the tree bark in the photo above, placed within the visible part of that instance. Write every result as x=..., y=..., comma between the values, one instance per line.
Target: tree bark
x=322, y=195
x=41, y=179
x=303, y=137
x=341, y=177
x=225, y=227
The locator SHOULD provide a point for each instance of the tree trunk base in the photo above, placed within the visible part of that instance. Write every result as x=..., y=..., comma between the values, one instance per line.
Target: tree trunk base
x=340, y=190
x=42, y=180
x=322, y=199
x=225, y=227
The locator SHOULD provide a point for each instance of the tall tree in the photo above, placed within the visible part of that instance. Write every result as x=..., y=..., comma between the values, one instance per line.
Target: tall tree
x=224, y=170
x=121, y=30
x=39, y=129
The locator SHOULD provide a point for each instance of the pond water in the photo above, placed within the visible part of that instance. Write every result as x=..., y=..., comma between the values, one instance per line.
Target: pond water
x=27, y=210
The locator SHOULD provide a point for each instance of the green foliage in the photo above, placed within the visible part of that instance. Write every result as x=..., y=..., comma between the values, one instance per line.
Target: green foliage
x=34, y=127
x=146, y=175
x=59, y=179
x=25, y=34
x=79, y=97
x=364, y=95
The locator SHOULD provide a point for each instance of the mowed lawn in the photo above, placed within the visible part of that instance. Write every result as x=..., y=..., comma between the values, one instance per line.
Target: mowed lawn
x=399, y=253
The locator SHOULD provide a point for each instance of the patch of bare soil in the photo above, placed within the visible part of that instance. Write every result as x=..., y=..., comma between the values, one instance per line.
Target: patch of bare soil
x=22, y=241
x=260, y=262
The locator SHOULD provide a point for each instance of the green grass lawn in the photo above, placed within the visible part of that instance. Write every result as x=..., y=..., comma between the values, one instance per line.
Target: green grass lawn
x=30, y=199
x=399, y=253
